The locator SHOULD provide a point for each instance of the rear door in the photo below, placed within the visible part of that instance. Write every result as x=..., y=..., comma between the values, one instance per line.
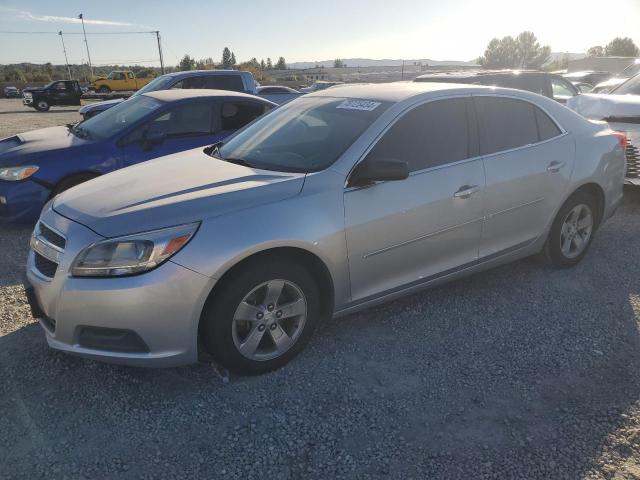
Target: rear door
x=527, y=161
x=405, y=232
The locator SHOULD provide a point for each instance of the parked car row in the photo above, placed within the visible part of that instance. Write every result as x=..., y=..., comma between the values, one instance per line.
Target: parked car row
x=333, y=202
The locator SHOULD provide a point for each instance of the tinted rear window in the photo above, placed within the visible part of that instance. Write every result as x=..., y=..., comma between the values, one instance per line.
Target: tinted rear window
x=225, y=82
x=546, y=128
x=505, y=123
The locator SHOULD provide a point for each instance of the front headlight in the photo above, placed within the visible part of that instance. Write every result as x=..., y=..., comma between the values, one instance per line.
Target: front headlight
x=131, y=254
x=13, y=174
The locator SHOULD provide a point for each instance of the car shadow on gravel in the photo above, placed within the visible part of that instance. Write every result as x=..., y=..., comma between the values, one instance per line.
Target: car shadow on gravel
x=519, y=372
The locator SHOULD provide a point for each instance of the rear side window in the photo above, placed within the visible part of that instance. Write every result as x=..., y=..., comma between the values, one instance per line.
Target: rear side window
x=234, y=115
x=546, y=127
x=505, y=123
x=432, y=134
x=224, y=82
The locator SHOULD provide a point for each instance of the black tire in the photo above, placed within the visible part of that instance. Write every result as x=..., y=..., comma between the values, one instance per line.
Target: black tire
x=552, y=252
x=70, y=182
x=41, y=105
x=217, y=324
x=104, y=89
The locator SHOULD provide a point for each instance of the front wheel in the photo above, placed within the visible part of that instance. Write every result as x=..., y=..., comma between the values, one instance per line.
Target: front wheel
x=572, y=231
x=104, y=89
x=262, y=316
x=42, y=105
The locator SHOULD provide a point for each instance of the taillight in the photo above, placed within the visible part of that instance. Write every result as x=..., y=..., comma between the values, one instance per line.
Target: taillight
x=622, y=138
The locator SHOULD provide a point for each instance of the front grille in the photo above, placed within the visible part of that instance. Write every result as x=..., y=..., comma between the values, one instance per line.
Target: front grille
x=45, y=266
x=52, y=237
x=633, y=161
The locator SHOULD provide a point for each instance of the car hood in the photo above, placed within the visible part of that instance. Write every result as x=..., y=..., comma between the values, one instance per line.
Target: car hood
x=38, y=141
x=606, y=106
x=177, y=189
x=33, y=89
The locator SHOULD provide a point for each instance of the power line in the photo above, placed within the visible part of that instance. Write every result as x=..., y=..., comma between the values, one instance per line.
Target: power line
x=78, y=33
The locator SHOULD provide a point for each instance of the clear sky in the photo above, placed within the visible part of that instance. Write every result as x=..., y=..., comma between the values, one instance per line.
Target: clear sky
x=305, y=30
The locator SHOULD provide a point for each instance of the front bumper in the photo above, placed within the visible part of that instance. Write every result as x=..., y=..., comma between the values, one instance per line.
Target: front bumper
x=28, y=101
x=144, y=320
x=21, y=202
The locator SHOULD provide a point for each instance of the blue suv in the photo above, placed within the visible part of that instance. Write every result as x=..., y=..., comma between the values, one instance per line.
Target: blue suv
x=35, y=166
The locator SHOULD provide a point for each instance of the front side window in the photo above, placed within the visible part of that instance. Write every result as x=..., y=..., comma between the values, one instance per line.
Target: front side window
x=562, y=90
x=130, y=75
x=305, y=135
x=188, y=119
x=505, y=123
x=429, y=135
x=60, y=86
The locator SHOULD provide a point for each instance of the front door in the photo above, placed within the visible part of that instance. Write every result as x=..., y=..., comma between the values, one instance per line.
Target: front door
x=410, y=231
x=182, y=127
x=528, y=161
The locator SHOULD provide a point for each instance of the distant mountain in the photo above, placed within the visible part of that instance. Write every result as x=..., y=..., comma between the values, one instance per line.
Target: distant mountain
x=369, y=62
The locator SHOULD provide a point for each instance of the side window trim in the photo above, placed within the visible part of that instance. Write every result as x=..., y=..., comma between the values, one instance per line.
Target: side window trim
x=563, y=132
x=468, y=98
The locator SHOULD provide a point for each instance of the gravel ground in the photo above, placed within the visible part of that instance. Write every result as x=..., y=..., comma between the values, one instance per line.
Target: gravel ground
x=520, y=372
x=16, y=118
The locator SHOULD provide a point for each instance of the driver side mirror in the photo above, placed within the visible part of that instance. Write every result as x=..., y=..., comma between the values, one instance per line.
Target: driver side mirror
x=371, y=171
x=152, y=138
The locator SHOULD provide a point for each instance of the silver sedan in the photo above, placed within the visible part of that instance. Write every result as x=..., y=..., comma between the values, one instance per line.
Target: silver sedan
x=335, y=202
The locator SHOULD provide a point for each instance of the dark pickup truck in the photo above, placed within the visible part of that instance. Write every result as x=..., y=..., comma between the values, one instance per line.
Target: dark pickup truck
x=58, y=92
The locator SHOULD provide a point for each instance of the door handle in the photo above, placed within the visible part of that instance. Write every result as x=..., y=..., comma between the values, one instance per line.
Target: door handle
x=554, y=167
x=466, y=191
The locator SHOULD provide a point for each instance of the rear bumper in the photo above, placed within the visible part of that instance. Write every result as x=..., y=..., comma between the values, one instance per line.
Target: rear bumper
x=22, y=202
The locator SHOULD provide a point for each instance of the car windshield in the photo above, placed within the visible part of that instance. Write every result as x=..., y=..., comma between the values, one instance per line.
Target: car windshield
x=117, y=119
x=306, y=135
x=631, y=70
x=159, y=83
x=630, y=87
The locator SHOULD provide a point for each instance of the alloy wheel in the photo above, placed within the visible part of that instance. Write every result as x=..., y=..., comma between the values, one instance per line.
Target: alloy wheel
x=269, y=320
x=576, y=231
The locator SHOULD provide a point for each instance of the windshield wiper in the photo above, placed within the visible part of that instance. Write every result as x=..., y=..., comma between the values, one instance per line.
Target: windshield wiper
x=238, y=161
x=79, y=131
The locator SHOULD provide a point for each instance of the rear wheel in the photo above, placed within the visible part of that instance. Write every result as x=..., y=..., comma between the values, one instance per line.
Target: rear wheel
x=70, y=182
x=262, y=316
x=42, y=105
x=104, y=89
x=572, y=231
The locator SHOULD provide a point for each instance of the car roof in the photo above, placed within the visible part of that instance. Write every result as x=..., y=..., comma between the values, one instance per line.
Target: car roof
x=181, y=94
x=190, y=73
x=464, y=74
x=393, y=92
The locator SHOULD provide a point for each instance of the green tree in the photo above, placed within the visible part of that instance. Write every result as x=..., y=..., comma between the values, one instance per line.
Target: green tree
x=263, y=65
x=13, y=74
x=226, y=58
x=269, y=64
x=282, y=64
x=621, y=47
x=596, y=51
x=522, y=52
x=338, y=63
x=232, y=61
x=187, y=63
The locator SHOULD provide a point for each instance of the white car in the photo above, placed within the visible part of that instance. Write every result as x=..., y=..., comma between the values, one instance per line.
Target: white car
x=621, y=109
x=608, y=86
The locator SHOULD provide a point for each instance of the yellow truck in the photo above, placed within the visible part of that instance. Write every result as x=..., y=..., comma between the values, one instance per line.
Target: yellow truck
x=118, y=81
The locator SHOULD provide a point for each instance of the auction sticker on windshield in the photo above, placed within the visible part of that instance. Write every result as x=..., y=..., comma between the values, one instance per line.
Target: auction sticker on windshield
x=366, y=105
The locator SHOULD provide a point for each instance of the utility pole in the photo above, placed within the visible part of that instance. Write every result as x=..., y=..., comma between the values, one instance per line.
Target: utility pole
x=157, y=32
x=402, y=74
x=87, y=44
x=66, y=60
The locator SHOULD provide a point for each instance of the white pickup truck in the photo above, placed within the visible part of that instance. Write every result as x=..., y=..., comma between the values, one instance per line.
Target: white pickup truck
x=621, y=109
x=234, y=80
